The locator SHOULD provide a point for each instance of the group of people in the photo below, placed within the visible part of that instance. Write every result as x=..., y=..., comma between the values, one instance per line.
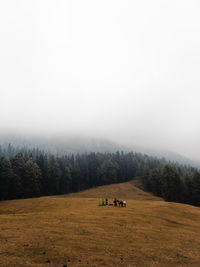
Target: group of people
x=116, y=202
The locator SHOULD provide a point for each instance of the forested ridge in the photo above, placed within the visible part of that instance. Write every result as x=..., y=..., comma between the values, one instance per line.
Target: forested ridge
x=31, y=172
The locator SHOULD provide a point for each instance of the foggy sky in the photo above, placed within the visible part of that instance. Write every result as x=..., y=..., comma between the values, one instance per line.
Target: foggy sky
x=124, y=70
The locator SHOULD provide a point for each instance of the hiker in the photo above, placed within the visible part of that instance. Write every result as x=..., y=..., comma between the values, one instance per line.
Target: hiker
x=106, y=202
x=115, y=202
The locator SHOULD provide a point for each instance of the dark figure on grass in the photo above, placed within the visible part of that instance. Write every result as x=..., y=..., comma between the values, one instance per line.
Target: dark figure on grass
x=121, y=203
x=115, y=202
x=106, y=202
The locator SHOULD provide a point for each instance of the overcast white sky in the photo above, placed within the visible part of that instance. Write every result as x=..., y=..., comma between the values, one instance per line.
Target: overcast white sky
x=124, y=70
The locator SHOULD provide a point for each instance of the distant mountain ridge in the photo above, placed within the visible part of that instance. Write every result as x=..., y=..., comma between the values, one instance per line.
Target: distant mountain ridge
x=62, y=145
x=169, y=155
x=73, y=145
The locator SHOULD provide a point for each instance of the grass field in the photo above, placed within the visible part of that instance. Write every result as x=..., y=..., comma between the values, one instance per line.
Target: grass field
x=74, y=231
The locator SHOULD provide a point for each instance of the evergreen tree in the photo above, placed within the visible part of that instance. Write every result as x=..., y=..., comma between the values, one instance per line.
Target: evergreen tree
x=66, y=181
x=188, y=189
x=53, y=174
x=5, y=178
x=196, y=188
x=42, y=161
x=107, y=173
x=18, y=163
x=171, y=184
x=155, y=182
x=9, y=181
x=32, y=177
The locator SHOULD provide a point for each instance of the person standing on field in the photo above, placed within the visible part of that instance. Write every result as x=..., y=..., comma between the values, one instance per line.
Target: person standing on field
x=106, y=202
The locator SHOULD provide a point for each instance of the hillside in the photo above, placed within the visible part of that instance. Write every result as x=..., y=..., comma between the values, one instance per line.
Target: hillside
x=74, y=231
x=66, y=144
x=128, y=190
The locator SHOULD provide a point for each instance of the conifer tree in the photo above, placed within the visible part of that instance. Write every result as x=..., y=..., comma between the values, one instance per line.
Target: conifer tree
x=66, y=181
x=32, y=177
x=171, y=184
x=9, y=181
x=53, y=174
x=196, y=188
x=5, y=177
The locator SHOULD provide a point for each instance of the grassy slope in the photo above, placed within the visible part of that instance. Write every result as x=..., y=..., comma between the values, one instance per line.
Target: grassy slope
x=53, y=231
x=128, y=190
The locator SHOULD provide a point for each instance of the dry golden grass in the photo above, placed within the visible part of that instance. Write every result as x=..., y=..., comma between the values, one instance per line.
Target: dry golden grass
x=128, y=190
x=57, y=231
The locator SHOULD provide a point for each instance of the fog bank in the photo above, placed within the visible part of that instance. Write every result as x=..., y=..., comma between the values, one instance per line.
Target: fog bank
x=124, y=71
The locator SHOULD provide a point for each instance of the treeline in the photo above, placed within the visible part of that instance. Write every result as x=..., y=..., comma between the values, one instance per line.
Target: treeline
x=171, y=184
x=31, y=173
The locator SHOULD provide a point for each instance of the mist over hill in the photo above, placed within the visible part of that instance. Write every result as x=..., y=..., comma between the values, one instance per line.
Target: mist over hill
x=62, y=144
x=66, y=144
